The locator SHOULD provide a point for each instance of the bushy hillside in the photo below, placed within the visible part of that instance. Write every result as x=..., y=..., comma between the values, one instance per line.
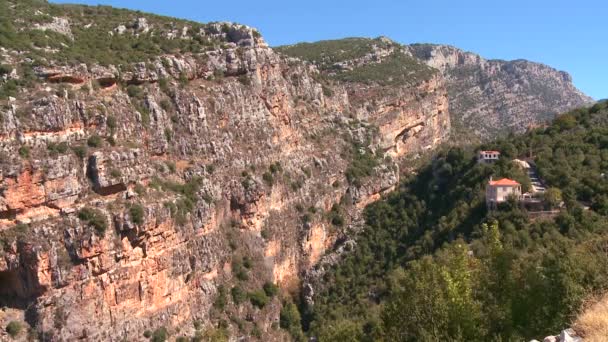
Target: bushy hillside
x=363, y=60
x=102, y=34
x=35, y=34
x=433, y=264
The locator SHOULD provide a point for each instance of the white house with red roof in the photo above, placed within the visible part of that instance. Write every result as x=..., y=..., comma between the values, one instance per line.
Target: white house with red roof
x=488, y=157
x=500, y=190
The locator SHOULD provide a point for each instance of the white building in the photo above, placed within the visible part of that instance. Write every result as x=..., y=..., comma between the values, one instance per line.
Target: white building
x=488, y=156
x=499, y=191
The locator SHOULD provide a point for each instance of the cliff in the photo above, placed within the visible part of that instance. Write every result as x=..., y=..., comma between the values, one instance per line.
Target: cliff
x=148, y=185
x=486, y=97
x=490, y=97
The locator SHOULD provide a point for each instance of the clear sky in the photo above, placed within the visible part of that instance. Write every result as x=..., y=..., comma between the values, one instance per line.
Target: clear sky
x=570, y=35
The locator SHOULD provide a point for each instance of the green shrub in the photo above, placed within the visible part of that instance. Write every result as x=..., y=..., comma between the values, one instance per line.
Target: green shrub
x=238, y=295
x=183, y=79
x=258, y=299
x=145, y=114
x=275, y=167
x=140, y=189
x=115, y=173
x=171, y=166
x=24, y=151
x=306, y=218
x=242, y=275
x=256, y=332
x=220, y=300
x=163, y=84
x=270, y=289
x=137, y=213
x=111, y=123
x=147, y=334
x=80, y=151
x=95, y=218
x=335, y=216
x=166, y=104
x=160, y=335
x=361, y=166
x=95, y=141
x=267, y=177
x=265, y=233
x=290, y=320
x=247, y=263
x=60, y=148
x=13, y=328
x=5, y=69
x=135, y=91
x=245, y=80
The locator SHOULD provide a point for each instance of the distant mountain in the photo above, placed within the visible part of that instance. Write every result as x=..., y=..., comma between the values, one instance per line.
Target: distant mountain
x=494, y=96
x=486, y=97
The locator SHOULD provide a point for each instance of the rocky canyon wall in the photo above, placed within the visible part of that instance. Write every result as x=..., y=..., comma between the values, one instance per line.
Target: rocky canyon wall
x=129, y=197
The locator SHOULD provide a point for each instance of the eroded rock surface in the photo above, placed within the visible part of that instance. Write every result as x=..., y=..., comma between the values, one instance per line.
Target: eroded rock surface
x=489, y=97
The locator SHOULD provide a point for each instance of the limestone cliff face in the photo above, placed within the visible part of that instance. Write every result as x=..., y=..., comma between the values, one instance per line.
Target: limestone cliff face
x=194, y=162
x=489, y=97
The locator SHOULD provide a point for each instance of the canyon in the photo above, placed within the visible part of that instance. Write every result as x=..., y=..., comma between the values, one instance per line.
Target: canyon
x=192, y=162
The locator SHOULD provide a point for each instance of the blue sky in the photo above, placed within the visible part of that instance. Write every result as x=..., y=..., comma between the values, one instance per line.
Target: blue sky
x=565, y=34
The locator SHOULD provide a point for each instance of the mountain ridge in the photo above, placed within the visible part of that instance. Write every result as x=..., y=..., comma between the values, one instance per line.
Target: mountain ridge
x=483, y=93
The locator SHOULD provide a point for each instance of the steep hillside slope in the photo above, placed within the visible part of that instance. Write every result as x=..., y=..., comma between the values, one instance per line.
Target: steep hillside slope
x=486, y=97
x=433, y=264
x=157, y=173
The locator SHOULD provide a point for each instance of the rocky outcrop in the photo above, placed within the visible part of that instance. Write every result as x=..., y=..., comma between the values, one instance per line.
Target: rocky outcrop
x=59, y=25
x=567, y=335
x=490, y=97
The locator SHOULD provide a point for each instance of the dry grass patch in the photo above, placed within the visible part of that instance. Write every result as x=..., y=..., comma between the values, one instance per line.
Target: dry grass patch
x=592, y=323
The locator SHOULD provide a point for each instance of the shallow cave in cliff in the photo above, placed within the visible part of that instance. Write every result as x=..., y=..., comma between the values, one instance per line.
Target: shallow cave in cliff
x=13, y=290
x=8, y=215
x=106, y=82
x=66, y=79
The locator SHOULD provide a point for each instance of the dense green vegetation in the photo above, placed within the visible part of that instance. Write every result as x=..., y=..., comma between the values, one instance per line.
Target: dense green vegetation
x=395, y=69
x=91, y=27
x=93, y=38
x=433, y=264
x=326, y=53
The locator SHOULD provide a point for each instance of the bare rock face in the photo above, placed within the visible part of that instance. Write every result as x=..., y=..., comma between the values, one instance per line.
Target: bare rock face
x=111, y=172
x=489, y=97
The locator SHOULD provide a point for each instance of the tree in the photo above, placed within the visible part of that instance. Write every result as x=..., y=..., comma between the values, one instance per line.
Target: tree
x=553, y=197
x=417, y=308
x=565, y=122
x=341, y=330
x=290, y=320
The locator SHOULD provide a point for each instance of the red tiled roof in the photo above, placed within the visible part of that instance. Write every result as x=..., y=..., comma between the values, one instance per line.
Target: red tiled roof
x=505, y=182
x=489, y=152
